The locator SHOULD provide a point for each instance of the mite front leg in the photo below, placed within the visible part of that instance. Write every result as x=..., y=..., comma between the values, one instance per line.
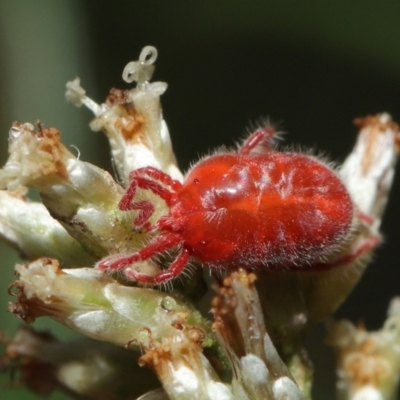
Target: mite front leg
x=360, y=247
x=156, y=175
x=146, y=207
x=363, y=249
x=172, y=272
x=366, y=243
x=160, y=244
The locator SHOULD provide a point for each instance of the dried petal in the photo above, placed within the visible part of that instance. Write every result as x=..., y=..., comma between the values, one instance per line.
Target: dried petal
x=368, y=363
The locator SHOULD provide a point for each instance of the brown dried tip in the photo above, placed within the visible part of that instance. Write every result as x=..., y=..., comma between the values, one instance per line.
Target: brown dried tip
x=375, y=129
x=379, y=124
x=376, y=122
x=175, y=354
x=375, y=375
x=192, y=338
x=30, y=309
x=130, y=123
x=364, y=362
x=133, y=130
x=117, y=96
x=49, y=142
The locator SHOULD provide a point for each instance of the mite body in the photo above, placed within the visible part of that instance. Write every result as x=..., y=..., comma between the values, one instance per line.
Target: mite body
x=282, y=209
x=253, y=208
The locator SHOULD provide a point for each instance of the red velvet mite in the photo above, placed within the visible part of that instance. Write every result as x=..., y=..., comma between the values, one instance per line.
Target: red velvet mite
x=254, y=208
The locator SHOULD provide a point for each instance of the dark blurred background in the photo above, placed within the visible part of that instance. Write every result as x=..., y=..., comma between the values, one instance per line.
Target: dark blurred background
x=311, y=67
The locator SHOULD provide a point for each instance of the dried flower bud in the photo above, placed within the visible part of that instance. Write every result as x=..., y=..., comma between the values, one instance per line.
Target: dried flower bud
x=132, y=120
x=368, y=362
x=182, y=368
x=367, y=172
x=98, y=306
x=39, y=160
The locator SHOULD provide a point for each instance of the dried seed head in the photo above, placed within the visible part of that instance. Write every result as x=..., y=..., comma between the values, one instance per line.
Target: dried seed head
x=367, y=362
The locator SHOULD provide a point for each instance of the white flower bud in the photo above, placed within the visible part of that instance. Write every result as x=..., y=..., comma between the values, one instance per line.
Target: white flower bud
x=132, y=120
x=96, y=305
x=81, y=196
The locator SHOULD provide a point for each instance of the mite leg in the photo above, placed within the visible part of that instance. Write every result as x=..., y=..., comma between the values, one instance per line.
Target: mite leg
x=160, y=244
x=258, y=142
x=125, y=203
x=177, y=266
x=366, y=219
x=364, y=248
x=166, y=194
x=156, y=175
x=369, y=244
x=146, y=207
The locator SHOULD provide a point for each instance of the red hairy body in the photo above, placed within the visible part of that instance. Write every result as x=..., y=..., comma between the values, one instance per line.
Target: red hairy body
x=281, y=209
x=254, y=208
